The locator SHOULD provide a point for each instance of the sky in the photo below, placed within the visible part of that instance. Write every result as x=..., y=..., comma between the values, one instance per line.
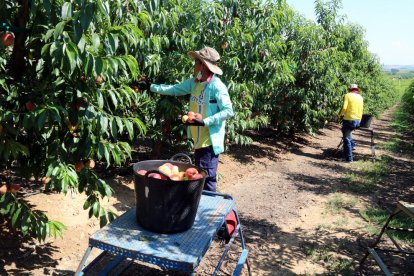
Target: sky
x=388, y=24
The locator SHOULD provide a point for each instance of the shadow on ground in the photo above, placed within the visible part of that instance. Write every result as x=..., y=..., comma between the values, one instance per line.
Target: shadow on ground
x=24, y=253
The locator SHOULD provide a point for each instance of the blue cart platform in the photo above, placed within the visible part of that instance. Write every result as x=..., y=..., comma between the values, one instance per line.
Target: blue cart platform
x=125, y=238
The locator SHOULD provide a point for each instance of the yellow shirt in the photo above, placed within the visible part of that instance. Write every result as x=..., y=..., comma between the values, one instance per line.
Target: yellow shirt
x=353, y=107
x=200, y=134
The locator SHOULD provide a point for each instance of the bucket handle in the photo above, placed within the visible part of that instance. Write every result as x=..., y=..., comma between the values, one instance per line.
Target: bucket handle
x=181, y=155
x=158, y=172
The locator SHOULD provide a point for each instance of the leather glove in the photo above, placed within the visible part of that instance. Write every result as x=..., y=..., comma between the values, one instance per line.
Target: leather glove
x=197, y=122
x=144, y=85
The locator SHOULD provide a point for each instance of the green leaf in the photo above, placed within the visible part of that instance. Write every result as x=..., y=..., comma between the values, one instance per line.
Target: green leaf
x=114, y=128
x=102, y=220
x=114, y=64
x=71, y=51
x=59, y=29
x=89, y=65
x=66, y=11
x=25, y=222
x=41, y=119
x=98, y=66
x=103, y=122
x=16, y=215
x=129, y=126
x=111, y=216
x=96, y=42
x=86, y=15
x=100, y=99
x=96, y=207
x=113, y=98
x=113, y=42
x=108, y=190
x=87, y=204
x=101, y=151
x=107, y=156
x=47, y=36
x=120, y=125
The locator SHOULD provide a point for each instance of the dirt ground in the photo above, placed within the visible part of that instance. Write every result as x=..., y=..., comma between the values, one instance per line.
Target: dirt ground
x=281, y=188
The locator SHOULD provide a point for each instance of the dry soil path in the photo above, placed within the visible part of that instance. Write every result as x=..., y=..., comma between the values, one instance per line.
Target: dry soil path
x=281, y=191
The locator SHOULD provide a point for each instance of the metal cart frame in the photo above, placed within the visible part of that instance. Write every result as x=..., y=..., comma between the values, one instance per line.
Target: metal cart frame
x=402, y=207
x=125, y=239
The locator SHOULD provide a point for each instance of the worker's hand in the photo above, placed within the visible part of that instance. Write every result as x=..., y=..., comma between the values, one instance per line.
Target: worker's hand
x=144, y=84
x=197, y=122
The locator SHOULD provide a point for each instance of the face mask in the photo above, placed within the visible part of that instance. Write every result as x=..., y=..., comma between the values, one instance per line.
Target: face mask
x=199, y=75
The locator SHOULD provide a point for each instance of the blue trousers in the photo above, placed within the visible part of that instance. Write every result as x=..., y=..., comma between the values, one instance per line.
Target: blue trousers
x=208, y=160
x=347, y=127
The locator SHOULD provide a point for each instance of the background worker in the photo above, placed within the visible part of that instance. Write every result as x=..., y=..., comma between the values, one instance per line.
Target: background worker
x=352, y=113
x=210, y=98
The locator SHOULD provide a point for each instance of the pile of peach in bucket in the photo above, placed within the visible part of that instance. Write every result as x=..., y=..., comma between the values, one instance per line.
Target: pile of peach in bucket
x=173, y=172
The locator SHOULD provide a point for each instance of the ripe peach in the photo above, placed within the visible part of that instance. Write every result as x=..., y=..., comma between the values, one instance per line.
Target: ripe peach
x=165, y=169
x=90, y=164
x=168, y=164
x=79, y=166
x=30, y=105
x=15, y=188
x=198, y=116
x=135, y=88
x=184, y=118
x=190, y=115
x=183, y=176
x=175, y=177
x=175, y=170
x=155, y=175
x=224, y=45
x=197, y=176
x=142, y=172
x=71, y=127
x=99, y=80
x=7, y=39
x=3, y=189
x=190, y=172
x=46, y=179
x=78, y=105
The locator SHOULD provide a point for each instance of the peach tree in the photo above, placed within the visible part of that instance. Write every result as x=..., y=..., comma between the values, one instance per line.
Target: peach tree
x=65, y=92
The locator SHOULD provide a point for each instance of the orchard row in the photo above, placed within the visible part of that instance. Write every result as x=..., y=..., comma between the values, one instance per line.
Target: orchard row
x=69, y=73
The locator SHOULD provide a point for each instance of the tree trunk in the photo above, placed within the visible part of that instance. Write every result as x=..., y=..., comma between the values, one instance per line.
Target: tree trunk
x=17, y=64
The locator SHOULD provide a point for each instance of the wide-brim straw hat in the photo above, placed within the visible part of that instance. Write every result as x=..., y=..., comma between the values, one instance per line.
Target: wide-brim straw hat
x=209, y=57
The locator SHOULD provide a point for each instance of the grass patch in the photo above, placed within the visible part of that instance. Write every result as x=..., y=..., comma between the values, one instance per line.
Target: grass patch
x=398, y=145
x=325, y=254
x=323, y=226
x=402, y=124
x=366, y=175
x=338, y=202
x=377, y=218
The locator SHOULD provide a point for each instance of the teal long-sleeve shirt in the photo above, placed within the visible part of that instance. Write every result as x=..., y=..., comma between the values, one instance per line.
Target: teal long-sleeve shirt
x=218, y=106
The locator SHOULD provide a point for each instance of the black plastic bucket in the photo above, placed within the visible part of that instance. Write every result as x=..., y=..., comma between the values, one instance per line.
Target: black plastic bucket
x=166, y=206
x=366, y=120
